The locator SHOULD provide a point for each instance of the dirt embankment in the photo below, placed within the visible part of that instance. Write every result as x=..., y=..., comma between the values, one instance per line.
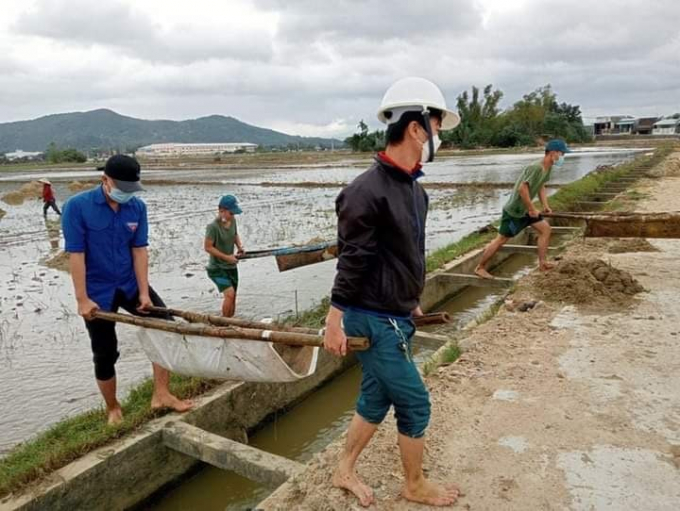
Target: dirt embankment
x=60, y=261
x=670, y=167
x=27, y=191
x=78, y=186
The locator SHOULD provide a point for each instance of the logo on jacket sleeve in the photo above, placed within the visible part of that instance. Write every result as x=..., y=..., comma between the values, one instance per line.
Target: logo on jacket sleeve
x=132, y=226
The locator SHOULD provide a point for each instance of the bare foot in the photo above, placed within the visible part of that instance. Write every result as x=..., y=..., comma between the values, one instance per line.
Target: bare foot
x=432, y=494
x=159, y=402
x=115, y=415
x=351, y=483
x=546, y=266
x=481, y=272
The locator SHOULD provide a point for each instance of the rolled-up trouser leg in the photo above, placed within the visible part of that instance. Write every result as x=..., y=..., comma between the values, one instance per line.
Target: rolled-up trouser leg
x=390, y=375
x=104, y=347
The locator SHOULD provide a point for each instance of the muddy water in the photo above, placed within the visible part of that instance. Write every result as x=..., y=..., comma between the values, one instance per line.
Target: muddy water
x=310, y=426
x=45, y=359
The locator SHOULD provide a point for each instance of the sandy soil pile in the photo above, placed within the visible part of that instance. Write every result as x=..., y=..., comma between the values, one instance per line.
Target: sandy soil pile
x=631, y=245
x=586, y=282
x=57, y=262
x=77, y=186
x=28, y=191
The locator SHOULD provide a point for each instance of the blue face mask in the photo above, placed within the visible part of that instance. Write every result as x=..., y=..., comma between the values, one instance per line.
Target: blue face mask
x=119, y=196
x=560, y=161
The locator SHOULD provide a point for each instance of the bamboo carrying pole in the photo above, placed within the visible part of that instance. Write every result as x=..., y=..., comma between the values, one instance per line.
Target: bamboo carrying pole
x=433, y=318
x=627, y=224
x=198, y=317
x=231, y=332
x=617, y=216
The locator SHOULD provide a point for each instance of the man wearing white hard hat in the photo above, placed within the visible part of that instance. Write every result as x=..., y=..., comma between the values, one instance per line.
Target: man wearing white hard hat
x=380, y=277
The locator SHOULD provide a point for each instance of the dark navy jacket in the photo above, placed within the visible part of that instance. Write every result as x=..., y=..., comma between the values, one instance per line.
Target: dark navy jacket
x=381, y=241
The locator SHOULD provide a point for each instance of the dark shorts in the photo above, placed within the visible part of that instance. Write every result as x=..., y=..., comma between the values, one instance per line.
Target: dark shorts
x=224, y=278
x=511, y=226
x=103, y=337
x=389, y=374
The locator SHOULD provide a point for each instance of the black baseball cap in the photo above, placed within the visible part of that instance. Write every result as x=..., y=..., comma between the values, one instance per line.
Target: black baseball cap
x=125, y=171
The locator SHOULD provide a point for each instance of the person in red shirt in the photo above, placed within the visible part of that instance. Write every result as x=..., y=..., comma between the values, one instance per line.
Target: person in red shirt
x=49, y=200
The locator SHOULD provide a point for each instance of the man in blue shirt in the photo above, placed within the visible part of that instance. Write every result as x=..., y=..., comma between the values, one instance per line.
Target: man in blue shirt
x=106, y=232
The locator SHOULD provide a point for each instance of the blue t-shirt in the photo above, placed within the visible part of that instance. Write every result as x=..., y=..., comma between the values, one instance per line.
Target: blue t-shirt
x=106, y=237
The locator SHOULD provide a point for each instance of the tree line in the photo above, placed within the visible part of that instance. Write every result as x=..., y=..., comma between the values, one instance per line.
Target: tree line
x=538, y=115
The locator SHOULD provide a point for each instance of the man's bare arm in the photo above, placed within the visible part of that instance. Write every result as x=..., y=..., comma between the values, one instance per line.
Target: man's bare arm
x=209, y=247
x=77, y=268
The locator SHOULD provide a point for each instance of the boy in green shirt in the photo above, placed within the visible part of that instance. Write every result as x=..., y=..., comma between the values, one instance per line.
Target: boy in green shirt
x=519, y=212
x=221, y=236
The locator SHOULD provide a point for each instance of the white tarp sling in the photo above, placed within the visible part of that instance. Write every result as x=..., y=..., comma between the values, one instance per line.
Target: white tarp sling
x=228, y=359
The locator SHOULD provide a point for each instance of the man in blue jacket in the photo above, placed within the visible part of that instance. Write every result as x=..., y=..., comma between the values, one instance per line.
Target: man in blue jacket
x=380, y=277
x=106, y=232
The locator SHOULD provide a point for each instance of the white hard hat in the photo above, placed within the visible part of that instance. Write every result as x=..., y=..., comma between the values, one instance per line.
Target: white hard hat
x=44, y=181
x=414, y=94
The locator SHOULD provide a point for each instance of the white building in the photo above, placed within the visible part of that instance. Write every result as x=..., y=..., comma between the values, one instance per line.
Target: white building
x=21, y=155
x=666, y=127
x=176, y=149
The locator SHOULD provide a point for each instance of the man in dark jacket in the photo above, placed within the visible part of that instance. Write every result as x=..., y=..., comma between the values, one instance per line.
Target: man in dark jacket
x=380, y=276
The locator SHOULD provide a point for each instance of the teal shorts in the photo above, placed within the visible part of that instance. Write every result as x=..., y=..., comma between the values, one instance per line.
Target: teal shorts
x=512, y=226
x=389, y=374
x=224, y=278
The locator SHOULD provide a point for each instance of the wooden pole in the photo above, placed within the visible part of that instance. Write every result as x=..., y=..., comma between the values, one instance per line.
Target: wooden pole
x=198, y=317
x=619, y=216
x=232, y=332
x=433, y=318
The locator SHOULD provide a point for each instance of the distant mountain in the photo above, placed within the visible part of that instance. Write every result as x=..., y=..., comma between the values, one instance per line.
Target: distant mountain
x=105, y=129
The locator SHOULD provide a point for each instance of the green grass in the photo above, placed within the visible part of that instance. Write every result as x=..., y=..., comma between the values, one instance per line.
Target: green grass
x=450, y=354
x=447, y=355
x=443, y=255
x=313, y=317
x=71, y=438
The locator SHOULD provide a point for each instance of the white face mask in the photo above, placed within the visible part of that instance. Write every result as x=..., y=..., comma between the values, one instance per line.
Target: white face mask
x=425, y=156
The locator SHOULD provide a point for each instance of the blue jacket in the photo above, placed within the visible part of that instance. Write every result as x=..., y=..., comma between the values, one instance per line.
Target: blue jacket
x=107, y=238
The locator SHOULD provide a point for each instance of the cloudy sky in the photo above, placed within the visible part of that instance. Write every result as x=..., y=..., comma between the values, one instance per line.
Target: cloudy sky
x=316, y=67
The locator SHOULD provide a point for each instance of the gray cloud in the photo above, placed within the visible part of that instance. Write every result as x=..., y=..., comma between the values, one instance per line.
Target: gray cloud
x=328, y=65
x=116, y=24
x=376, y=20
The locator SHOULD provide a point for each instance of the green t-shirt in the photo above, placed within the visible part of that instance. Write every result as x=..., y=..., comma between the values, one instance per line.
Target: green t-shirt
x=535, y=177
x=223, y=239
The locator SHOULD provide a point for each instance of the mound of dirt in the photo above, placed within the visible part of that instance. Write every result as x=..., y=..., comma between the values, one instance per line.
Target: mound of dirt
x=586, y=282
x=57, y=262
x=77, y=186
x=32, y=190
x=631, y=245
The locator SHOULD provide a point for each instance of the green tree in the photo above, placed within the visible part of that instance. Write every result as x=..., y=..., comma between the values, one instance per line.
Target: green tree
x=68, y=155
x=365, y=141
x=478, y=118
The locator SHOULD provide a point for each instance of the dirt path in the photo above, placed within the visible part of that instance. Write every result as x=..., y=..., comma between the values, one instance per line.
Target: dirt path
x=556, y=408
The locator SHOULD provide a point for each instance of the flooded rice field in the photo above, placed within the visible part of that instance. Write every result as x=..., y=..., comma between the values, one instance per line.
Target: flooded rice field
x=45, y=360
